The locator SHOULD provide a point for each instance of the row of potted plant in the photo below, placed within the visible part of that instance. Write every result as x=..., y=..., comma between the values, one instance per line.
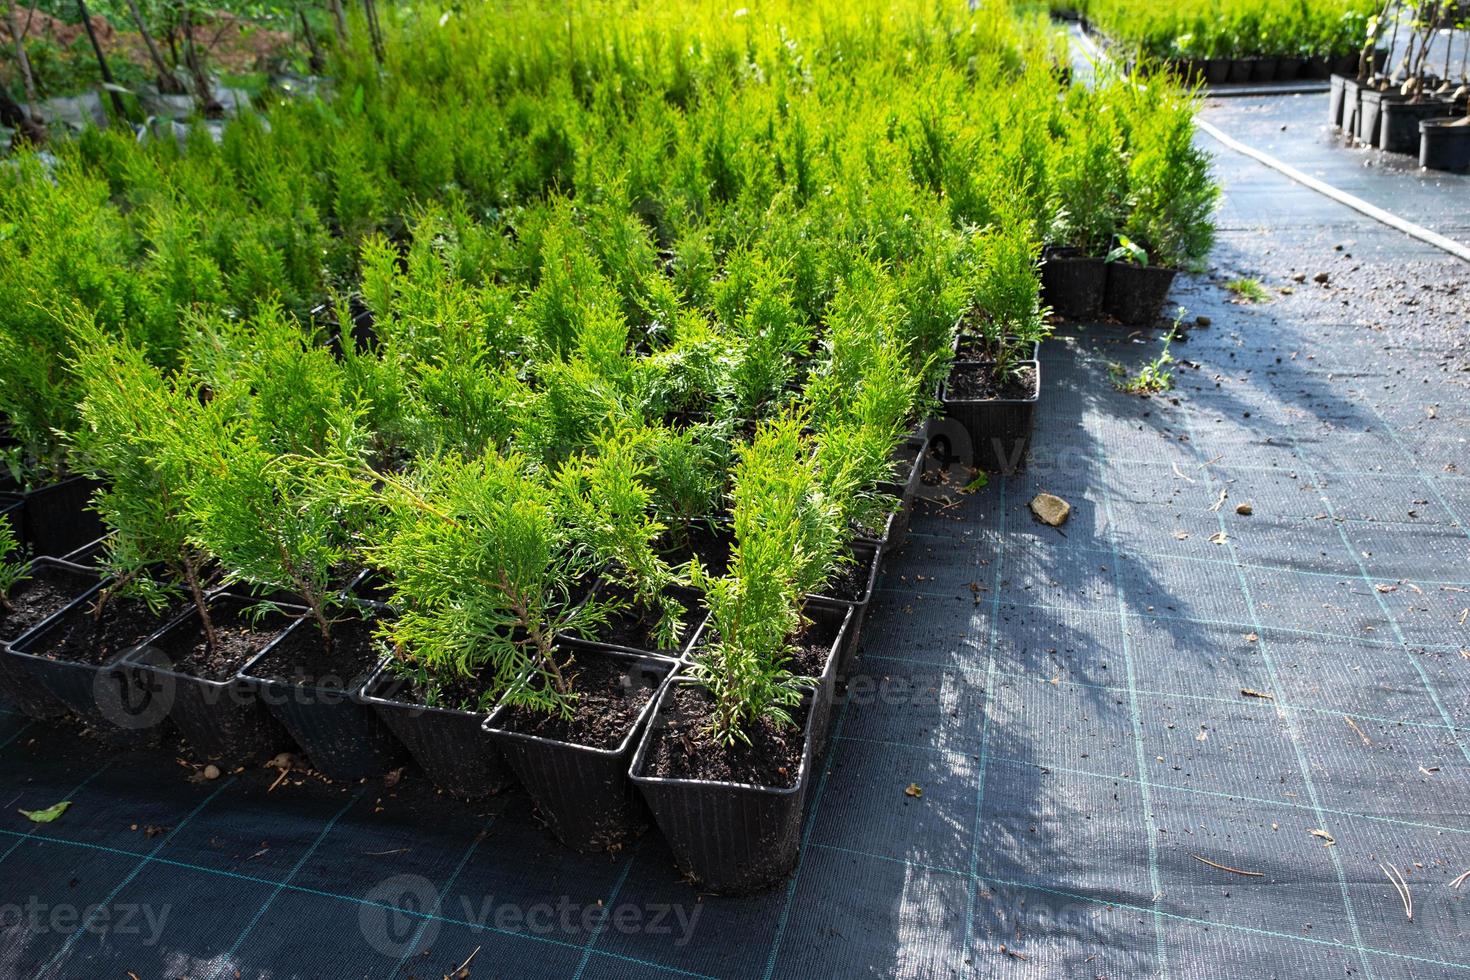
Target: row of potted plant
x=1222, y=41
x=1420, y=103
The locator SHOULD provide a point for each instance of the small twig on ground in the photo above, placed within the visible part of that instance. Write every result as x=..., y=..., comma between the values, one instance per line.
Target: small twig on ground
x=285, y=771
x=1460, y=880
x=463, y=970
x=1400, y=885
x=1212, y=462
x=1226, y=867
x=378, y=854
x=1218, y=503
x=1354, y=725
x=1180, y=473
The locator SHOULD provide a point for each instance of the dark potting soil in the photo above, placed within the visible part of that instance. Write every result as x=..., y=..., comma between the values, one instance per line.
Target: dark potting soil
x=634, y=625
x=682, y=746
x=711, y=547
x=302, y=658
x=850, y=581
x=451, y=694
x=609, y=699
x=238, y=639
x=84, y=638
x=44, y=594
x=978, y=383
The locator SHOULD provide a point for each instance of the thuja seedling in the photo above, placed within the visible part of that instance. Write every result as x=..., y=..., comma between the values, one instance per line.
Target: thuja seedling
x=12, y=563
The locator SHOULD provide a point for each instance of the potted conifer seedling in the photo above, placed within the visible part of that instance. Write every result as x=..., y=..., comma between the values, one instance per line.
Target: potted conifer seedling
x=135, y=431
x=728, y=760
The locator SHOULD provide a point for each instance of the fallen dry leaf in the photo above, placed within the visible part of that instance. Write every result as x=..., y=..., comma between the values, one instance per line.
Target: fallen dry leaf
x=913, y=791
x=1327, y=839
x=1219, y=537
x=1257, y=694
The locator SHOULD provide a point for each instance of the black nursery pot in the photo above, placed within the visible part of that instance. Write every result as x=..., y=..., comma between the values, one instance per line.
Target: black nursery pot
x=1263, y=69
x=1398, y=127
x=730, y=838
x=1339, y=98
x=326, y=715
x=584, y=792
x=1443, y=146
x=1136, y=293
x=55, y=519
x=449, y=744
x=999, y=429
x=865, y=556
x=94, y=687
x=1217, y=71
x=222, y=718
x=1370, y=114
x=1073, y=284
x=1240, y=71
x=17, y=683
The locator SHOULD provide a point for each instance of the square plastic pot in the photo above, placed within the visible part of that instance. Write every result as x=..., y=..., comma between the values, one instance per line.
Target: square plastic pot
x=852, y=633
x=449, y=744
x=1073, y=284
x=730, y=838
x=222, y=719
x=584, y=792
x=1136, y=293
x=692, y=599
x=99, y=693
x=21, y=685
x=55, y=519
x=999, y=429
x=339, y=731
x=1343, y=91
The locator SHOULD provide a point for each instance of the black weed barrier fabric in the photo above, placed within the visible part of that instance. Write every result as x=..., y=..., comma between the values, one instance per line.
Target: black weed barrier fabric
x=1166, y=739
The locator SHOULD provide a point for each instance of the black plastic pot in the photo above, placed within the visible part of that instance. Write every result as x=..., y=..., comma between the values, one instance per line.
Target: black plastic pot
x=999, y=429
x=20, y=685
x=340, y=732
x=56, y=520
x=1370, y=113
x=1443, y=146
x=584, y=792
x=1288, y=69
x=1263, y=69
x=99, y=693
x=1398, y=123
x=449, y=744
x=1217, y=71
x=1240, y=71
x=1136, y=293
x=1338, y=98
x=222, y=719
x=852, y=632
x=729, y=838
x=1073, y=285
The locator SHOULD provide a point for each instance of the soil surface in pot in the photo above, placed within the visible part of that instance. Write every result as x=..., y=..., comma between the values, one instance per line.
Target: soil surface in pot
x=608, y=704
x=879, y=525
x=453, y=694
x=711, y=547
x=850, y=581
x=44, y=594
x=682, y=746
x=978, y=383
x=86, y=639
x=302, y=658
x=634, y=625
x=239, y=638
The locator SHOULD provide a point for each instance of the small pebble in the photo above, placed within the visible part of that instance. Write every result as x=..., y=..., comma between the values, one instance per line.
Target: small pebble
x=1202, y=321
x=211, y=771
x=1244, y=510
